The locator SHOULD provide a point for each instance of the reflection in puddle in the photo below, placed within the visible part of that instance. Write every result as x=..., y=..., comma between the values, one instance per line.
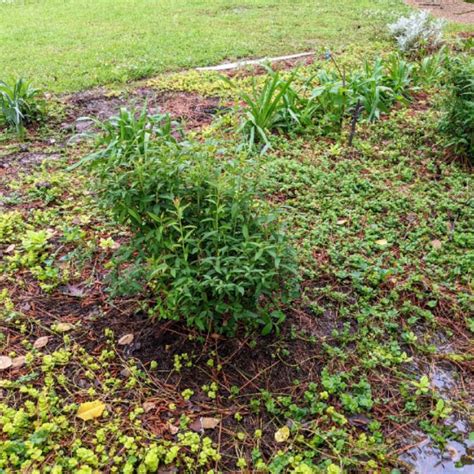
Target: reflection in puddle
x=442, y=379
x=457, y=458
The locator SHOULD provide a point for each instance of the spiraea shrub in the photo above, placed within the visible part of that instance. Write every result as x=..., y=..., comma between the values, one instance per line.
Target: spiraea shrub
x=203, y=243
x=417, y=32
x=458, y=119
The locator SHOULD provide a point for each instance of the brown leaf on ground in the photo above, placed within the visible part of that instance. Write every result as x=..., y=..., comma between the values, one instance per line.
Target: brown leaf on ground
x=148, y=406
x=73, y=290
x=172, y=429
x=167, y=470
x=5, y=362
x=125, y=340
x=204, y=423
x=18, y=362
x=41, y=342
x=10, y=248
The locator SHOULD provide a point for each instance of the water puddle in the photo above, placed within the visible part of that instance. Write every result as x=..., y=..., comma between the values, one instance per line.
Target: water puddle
x=442, y=378
x=457, y=457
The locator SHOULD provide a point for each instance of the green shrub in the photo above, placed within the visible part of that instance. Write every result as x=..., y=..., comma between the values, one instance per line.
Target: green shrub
x=376, y=88
x=205, y=245
x=458, y=120
x=20, y=105
x=370, y=88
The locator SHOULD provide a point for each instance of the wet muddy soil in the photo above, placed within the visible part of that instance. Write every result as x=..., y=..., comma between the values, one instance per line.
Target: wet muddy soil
x=194, y=110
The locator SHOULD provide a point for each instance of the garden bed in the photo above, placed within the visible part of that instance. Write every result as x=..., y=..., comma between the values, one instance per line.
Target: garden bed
x=379, y=333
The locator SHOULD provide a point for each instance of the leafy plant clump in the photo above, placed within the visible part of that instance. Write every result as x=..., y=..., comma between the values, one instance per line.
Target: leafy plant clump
x=417, y=31
x=20, y=105
x=206, y=246
x=323, y=102
x=268, y=108
x=458, y=120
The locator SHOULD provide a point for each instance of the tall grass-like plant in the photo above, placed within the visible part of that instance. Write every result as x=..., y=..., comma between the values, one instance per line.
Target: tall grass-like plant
x=201, y=241
x=381, y=84
x=131, y=133
x=400, y=77
x=20, y=105
x=324, y=101
x=268, y=109
x=369, y=87
x=431, y=69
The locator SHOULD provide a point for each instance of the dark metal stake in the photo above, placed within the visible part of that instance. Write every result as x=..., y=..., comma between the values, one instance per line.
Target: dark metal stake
x=355, y=118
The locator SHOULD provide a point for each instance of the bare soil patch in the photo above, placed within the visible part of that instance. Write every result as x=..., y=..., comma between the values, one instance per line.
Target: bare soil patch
x=458, y=11
x=195, y=111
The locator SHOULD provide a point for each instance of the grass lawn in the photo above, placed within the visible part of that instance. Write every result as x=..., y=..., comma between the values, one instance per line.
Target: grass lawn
x=76, y=44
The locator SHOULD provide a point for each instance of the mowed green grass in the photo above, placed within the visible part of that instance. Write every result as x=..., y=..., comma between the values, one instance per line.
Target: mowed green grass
x=67, y=45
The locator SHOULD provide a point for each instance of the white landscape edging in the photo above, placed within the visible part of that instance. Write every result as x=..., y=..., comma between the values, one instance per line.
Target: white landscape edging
x=250, y=62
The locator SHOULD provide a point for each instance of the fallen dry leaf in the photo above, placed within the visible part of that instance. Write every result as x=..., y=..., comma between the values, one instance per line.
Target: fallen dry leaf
x=172, y=429
x=452, y=452
x=10, y=248
x=209, y=423
x=381, y=242
x=436, y=244
x=18, y=362
x=5, y=362
x=282, y=434
x=148, y=406
x=341, y=221
x=25, y=307
x=73, y=290
x=196, y=425
x=126, y=340
x=125, y=372
x=359, y=420
x=89, y=410
x=63, y=327
x=204, y=423
x=41, y=342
